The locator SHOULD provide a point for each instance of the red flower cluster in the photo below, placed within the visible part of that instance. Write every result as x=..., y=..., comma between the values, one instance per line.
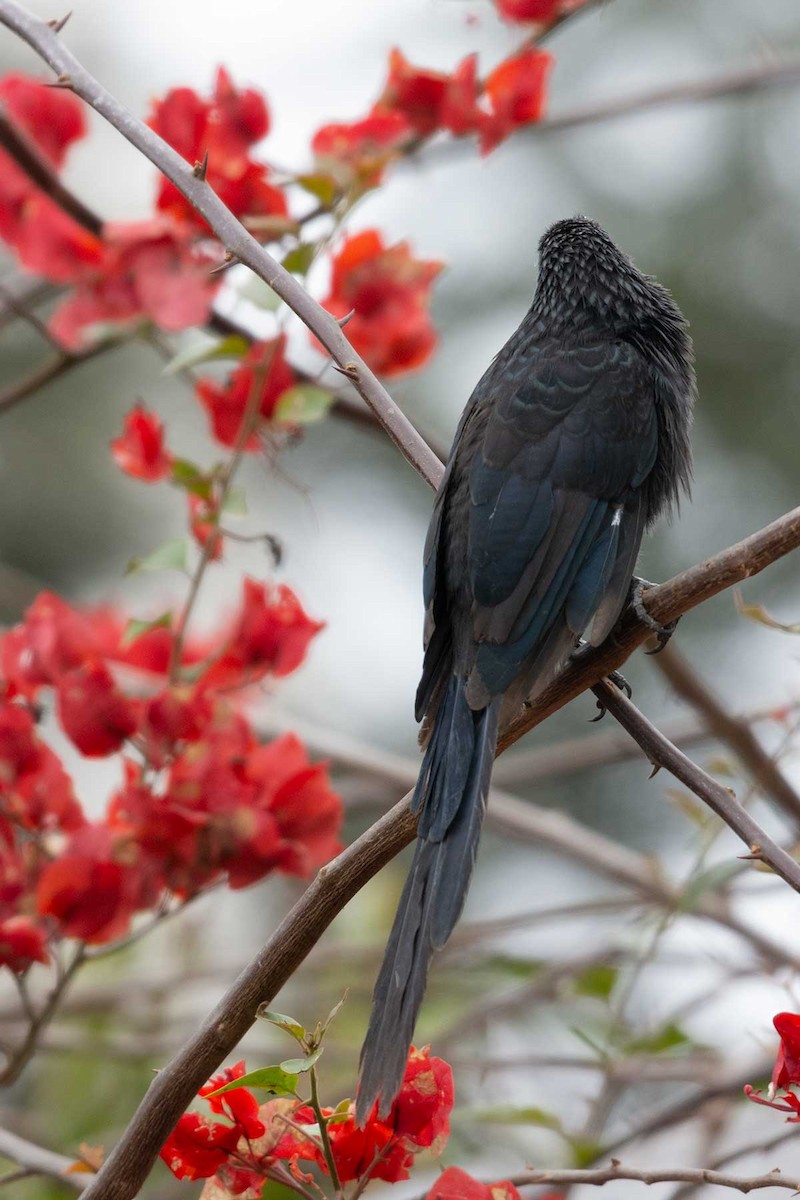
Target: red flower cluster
x=47, y=241
x=225, y=126
x=786, y=1070
x=417, y=102
x=204, y=800
x=388, y=289
x=240, y=1154
x=455, y=1184
x=151, y=270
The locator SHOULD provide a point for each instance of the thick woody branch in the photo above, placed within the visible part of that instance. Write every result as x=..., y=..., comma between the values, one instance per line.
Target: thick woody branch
x=239, y=243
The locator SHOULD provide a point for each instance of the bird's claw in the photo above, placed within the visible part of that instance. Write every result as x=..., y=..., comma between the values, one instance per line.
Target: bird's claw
x=619, y=681
x=663, y=632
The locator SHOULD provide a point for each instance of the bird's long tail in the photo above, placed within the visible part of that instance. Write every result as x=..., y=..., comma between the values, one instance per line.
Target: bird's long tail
x=451, y=797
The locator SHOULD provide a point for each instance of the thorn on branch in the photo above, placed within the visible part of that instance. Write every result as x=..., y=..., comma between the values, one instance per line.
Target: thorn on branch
x=58, y=23
x=349, y=370
x=228, y=261
x=756, y=854
x=63, y=81
x=200, y=169
x=342, y=321
x=656, y=768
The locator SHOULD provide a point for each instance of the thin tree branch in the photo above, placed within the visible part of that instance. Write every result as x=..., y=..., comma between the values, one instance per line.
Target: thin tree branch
x=42, y=1162
x=238, y=242
x=26, y=154
x=616, y=1173
x=735, y=732
x=721, y=800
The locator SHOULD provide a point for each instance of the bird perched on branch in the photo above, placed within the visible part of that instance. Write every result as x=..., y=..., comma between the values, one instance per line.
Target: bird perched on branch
x=574, y=441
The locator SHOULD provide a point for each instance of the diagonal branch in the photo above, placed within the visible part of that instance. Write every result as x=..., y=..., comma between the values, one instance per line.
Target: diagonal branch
x=238, y=242
x=734, y=731
x=39, y=1161
x=698, y=1175
x=26, y=154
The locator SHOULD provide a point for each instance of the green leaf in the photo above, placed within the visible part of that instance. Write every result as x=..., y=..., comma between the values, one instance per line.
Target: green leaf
x=170, y=555
x=303, y=404
x=188, y=476
x=288, y=1024
x=757, y=612
x=584, y=1153
x=271, y=1079
x=233, y=346
x=333, y=1014
x=135, y=629
x=597, y=981
x=320, y=185
x=235, y=502
x=300, y=258
x=506, y=1115
x=277, y=1191
x=299, y=1065
x=669, y=1037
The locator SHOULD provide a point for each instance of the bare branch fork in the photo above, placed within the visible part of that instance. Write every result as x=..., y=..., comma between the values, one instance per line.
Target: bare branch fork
x=176, y=1085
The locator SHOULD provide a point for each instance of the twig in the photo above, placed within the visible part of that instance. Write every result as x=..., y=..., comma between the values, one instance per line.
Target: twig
x=43, y=1162
x=39, y=1022
x=735, y=732
x=661, y=753
x=616, y=1173
x=238, y=242
x=26, y=154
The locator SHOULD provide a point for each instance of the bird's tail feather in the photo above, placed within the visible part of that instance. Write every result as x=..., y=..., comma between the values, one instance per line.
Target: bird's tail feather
x=451, y=794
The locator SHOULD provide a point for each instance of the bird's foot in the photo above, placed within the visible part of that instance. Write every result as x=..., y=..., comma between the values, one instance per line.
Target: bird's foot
x=663, y=632
x=619, y=681
x=616, y=677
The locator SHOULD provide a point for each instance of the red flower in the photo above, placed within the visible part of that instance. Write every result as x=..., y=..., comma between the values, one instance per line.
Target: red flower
x=516, y=91
x=93, y=712
x=172, y=718
x=52, y=639
x=21, y=944
x=226, y=125
x=47, y=241
x=421, y=1112
x=52, y=117
x=431, y=100
x=535, y=10
x=151, y=270
x=389, y=290
x=139, y=450
x=45, y=798
x=455, y=1184
x=295, y=817
x=363, y=148
x=269, y=636
x=20, y=750
x=265, y=367
x=198, y=1146
x=93, y=889
x=354, y=1150
x=239, y=1104
x=787, y=1067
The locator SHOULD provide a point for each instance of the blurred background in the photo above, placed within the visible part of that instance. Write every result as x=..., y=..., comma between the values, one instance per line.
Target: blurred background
x=706, y=196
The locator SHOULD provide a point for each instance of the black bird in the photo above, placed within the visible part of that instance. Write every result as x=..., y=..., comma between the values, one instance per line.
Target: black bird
x=575, y=440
